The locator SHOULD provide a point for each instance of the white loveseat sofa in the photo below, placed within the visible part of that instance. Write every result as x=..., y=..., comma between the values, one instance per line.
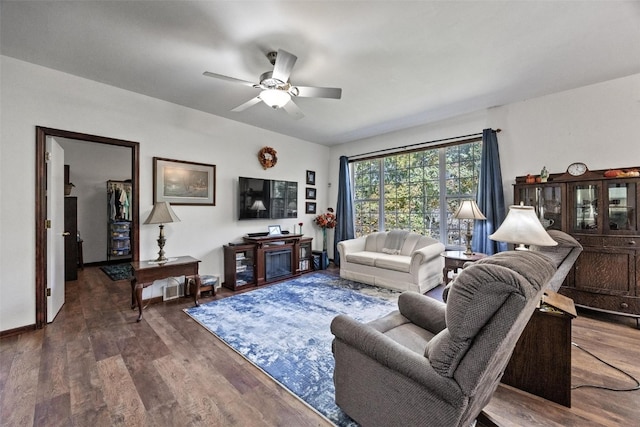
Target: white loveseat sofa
x=396, y=260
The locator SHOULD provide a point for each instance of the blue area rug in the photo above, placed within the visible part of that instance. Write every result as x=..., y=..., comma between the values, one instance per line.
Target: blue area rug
x=284, y=330
x=118, y=271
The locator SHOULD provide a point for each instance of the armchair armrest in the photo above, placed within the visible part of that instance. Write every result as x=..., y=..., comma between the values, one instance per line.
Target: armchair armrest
x=423, y=311
x=425, y=254
x=394, y=356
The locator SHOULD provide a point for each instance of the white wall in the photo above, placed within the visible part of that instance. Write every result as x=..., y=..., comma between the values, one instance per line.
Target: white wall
x=598, y=125
x=37, y=96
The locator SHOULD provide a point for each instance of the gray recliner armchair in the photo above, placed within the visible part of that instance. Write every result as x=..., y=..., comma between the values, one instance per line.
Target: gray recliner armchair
x=437, y=364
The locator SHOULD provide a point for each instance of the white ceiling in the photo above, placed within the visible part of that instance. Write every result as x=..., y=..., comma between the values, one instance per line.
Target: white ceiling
x=400, y=63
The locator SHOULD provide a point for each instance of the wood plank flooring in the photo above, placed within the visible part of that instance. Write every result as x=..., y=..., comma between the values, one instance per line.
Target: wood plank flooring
x=95, y=366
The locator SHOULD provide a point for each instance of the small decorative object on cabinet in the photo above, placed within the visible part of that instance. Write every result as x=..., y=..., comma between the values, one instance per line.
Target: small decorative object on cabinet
x=603, y=214
x=239, y=266
x=119, y=220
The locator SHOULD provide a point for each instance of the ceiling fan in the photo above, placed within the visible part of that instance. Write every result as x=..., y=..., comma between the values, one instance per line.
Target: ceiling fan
x=276, y=90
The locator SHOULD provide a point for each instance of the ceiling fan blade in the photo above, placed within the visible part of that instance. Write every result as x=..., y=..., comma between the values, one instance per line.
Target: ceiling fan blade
x=231, y=79
x=293, y=110
x=249, y=103
x=319, y=92
x=283, y=66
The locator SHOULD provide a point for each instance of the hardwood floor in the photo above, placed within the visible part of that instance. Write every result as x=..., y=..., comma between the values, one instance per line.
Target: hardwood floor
x=95, y=366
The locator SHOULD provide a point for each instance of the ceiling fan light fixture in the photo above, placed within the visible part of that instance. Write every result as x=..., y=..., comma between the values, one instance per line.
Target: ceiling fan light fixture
x=275, y=98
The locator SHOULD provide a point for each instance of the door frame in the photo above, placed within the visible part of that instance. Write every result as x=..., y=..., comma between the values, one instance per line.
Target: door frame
x=41, y=206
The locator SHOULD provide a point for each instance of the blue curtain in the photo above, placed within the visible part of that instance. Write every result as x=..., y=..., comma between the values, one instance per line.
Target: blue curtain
x=345, y=229
x=490, y=197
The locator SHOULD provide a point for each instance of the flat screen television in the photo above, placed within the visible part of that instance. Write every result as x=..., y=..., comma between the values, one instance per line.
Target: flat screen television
x=267, y=199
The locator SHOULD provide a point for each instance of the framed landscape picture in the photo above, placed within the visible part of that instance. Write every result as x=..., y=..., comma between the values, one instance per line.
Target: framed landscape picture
x=310, y=193
x=183, y=183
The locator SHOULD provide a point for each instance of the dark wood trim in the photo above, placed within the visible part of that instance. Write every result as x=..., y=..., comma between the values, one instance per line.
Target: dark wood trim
x=17, y=331
x=41, y=205
x=41, y=232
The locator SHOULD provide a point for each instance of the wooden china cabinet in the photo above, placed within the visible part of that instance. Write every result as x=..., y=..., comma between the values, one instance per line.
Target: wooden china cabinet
x=602, y=213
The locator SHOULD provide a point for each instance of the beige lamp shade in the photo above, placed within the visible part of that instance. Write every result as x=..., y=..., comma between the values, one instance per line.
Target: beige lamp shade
x=468, y=209
x=162, y=214
x=522, y=227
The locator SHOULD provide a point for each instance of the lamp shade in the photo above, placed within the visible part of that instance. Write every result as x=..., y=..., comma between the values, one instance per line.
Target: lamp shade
x=468, y=209
x=162, y=214
x=522, y=227
x=258, y=206
x=275, y=98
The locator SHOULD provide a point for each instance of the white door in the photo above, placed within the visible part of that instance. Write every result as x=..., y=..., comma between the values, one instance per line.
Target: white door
x=56, y=232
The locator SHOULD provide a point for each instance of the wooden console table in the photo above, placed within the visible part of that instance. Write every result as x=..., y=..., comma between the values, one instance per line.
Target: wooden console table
x=541, y=360
x=145, y=273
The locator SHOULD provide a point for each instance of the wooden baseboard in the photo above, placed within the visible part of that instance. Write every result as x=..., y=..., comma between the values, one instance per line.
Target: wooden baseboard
x=16, y=331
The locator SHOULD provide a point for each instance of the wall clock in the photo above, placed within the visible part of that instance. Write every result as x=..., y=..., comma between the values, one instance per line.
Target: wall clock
x=577, y=169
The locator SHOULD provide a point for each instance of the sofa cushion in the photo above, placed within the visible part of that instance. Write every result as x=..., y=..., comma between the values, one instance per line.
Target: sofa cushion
x=375, y=241
x=394, y=241
x=393, y=262
x=364, y=258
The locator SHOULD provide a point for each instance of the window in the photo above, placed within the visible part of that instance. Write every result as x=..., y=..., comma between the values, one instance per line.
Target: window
x=417, y=191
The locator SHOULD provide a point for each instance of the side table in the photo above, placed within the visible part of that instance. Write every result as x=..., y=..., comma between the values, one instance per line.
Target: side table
x=146, y=272
x=454, y=260
x=541, y=361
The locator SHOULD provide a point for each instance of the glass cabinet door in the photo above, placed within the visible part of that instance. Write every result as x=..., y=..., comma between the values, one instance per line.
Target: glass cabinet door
x=244, y=267
x=547, y=202
x=620, y=209
x=585, y=217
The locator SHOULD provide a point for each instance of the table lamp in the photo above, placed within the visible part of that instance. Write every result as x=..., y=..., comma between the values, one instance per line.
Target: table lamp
x=258, y=206
x=468, y=210
x=522, y=227
x=161, y=214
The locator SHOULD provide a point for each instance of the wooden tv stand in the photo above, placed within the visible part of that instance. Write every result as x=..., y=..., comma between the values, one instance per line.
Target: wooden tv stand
x=252, y=254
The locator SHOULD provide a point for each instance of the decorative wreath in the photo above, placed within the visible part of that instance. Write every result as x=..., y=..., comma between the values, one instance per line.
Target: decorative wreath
x=267, y=157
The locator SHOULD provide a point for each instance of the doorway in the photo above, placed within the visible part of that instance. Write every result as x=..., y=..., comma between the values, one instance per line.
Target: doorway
x=41, y=207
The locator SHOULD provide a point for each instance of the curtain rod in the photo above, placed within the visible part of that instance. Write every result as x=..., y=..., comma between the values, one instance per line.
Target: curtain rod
x=417, y=144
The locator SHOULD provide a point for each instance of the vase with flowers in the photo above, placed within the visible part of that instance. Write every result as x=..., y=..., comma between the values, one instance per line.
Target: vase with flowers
x=300, y=224
x=324, y=221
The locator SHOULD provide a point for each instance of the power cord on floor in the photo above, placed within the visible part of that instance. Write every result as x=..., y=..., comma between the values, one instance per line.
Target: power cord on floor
x=637, y=387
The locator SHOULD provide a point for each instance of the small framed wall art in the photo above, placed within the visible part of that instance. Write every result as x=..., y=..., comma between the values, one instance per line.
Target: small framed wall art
x=310, y=207
x=183, y=183
x=311, y=178
x=310, y=193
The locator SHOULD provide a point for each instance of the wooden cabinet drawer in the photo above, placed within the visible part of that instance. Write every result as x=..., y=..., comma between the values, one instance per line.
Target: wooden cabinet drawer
x=622, y=242
x=588, y=240
x=618, y=304
x=625, y=242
